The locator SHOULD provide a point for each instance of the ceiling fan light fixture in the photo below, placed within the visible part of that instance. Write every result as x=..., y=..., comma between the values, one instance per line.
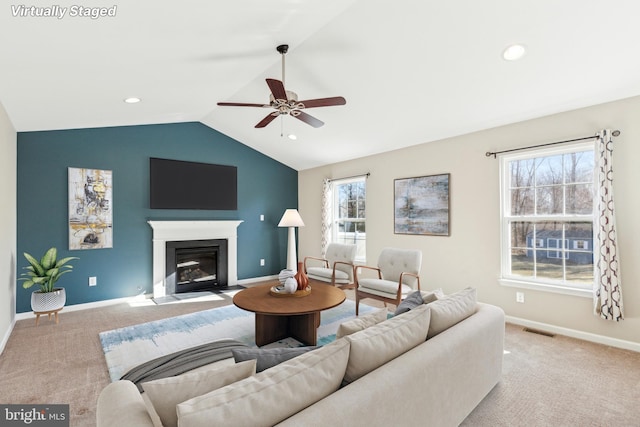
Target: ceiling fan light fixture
x=514, y=52
x=285, y=102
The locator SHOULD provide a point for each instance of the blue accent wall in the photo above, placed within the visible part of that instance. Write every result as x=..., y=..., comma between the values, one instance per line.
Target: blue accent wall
x=265, y=186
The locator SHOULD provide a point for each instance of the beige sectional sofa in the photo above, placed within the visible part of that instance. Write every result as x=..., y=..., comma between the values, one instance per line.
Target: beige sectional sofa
x=430, y=366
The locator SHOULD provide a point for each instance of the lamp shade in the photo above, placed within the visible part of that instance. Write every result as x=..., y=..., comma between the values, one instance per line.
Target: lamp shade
x=291, y=218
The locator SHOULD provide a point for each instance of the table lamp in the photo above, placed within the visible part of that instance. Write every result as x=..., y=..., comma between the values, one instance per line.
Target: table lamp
x=291, y=219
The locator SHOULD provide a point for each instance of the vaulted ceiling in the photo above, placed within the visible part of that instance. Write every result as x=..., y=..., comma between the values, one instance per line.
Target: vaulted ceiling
x=411, y=71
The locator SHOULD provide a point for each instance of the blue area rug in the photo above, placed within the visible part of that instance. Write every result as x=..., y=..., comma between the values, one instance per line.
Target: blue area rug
x=127, y=347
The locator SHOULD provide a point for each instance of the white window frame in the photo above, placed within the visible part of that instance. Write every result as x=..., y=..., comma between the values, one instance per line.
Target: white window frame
x=508, y=279
x=335, y=228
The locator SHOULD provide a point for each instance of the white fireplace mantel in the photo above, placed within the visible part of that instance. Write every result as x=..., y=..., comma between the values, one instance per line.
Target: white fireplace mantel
x=175, y=231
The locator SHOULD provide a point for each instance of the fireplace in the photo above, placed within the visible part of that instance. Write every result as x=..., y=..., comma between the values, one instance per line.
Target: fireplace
x=165, y=232
x=196, y=265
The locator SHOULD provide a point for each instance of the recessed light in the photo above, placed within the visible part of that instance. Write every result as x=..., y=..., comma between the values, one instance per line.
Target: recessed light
x=292, y=137
x=514, y=52
x=132, y=100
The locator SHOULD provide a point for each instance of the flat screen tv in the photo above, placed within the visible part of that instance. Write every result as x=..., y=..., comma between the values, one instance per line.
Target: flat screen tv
x=177, y=184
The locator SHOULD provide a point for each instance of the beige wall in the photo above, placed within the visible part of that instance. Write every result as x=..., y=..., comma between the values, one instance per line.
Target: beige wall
x=471, y=255
x=7, y=226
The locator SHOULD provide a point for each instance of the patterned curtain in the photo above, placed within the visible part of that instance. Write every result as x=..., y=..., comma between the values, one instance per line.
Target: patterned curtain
x=608, y=289
x=327, y=203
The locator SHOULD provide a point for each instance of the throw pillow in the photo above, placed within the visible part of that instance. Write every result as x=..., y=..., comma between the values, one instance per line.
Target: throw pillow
x=164, y=394
x=268, y=357
x=412, y=301
x=273, y=395
x=451, y=309
x=361, y=322
x=375, y=346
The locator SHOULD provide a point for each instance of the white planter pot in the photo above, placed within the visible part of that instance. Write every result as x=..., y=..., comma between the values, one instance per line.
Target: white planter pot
x=48, y=301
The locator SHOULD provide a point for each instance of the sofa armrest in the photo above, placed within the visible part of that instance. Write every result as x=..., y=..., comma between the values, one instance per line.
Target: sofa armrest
x=120, y=404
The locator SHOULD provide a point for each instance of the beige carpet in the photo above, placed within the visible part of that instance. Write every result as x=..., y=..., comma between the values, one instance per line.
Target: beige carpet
x=547, y=381
x=562, y=381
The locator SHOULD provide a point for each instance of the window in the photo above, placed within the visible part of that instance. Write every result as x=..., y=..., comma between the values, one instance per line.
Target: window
x=547, y=219
x=349, y=225
x=580, y=244
x=557, y=244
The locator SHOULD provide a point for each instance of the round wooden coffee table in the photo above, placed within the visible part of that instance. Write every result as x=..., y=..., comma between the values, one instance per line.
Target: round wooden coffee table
x=282, y=317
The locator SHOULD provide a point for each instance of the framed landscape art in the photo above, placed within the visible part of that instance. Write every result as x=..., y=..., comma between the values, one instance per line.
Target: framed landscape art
x=421, y=205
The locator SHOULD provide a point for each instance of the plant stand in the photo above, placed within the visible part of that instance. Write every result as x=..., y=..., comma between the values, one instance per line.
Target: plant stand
x=48, y=313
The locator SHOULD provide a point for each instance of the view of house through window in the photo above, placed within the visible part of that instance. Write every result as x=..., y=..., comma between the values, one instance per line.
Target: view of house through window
x=349, y=225
x=547, y=217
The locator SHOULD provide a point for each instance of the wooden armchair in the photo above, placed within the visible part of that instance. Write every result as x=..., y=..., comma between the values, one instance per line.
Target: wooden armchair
x=336, y=268
x=398, y=274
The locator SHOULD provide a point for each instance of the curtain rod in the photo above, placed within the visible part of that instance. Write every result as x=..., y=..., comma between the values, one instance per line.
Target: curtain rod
x=366, y=175
x=495, y=153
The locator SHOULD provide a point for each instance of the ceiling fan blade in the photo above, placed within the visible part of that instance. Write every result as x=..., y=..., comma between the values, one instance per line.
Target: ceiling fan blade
x=308, y=119
x=267, y=120
x=277, y=89
x=241, y=104
x=323, y=102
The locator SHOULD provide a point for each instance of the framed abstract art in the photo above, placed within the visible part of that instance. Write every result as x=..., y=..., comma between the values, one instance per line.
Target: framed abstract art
x=90, y=208
x=421, y=205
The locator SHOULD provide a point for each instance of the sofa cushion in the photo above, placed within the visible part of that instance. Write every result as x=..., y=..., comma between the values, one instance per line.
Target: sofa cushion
x=451, y=309
x=361, y=322
x=119, y=404
x=268, y=357
x=272, y=395
x=164, y=394
x=378, y=344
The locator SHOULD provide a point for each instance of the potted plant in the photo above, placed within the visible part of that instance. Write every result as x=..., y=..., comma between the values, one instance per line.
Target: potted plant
x=46, y=273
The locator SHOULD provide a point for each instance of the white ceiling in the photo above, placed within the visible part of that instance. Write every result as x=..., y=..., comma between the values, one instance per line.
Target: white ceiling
x=411, y=71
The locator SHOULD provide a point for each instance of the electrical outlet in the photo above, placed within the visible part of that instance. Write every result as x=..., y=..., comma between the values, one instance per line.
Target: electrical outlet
x=261, y=217
x=93, y=281
x=261, y=262
x=520, y=297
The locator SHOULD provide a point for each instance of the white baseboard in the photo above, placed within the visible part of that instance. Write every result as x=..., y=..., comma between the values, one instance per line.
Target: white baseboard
x=5, y=339
x=586, y=336
x=257, y=279
x=85, y=306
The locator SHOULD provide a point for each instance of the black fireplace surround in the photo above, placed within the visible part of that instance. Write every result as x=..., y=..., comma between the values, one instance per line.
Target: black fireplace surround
x=196, y=265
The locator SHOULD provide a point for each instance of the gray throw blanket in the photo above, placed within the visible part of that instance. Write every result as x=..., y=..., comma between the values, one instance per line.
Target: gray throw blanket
x=182, y=361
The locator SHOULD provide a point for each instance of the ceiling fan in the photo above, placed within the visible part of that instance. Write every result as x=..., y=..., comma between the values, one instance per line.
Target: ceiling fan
x=286, y=102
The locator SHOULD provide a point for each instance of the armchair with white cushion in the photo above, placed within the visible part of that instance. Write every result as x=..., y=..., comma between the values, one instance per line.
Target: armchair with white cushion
x=396, y=276
x=337, y=266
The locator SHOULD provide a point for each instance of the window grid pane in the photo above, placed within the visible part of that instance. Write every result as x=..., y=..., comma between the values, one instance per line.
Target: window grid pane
x=549, y=222
x=350, y=215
